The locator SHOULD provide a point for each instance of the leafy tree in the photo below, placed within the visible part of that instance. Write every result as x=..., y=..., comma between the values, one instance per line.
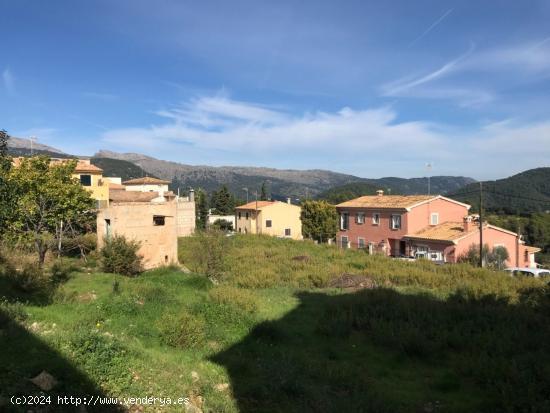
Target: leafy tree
x=222, y=201
x=46, y=198
x=5, y=192
x=263, y=192
x=201, y=208
x=493, y=258
x=319, y=220
x=222, y=225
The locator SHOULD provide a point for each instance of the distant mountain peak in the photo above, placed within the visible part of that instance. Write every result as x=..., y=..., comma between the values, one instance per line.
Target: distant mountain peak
x=23, y=143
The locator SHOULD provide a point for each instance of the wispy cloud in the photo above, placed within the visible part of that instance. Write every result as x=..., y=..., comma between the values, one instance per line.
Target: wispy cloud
x=220, y=125
x=9, y=81
x=431, y=27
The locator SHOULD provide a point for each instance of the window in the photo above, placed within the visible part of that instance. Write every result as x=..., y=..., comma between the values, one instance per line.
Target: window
x=287, y=232
x=268, y=223
x=86, y=180
x=239, y=215
x=395, y=222
x=434, y=218
x=344, y=242
x=360, y=218
x=361, y=243
x=246, y=215
x=158, y=220
x=344, y=221
x=376, y=218
x=108, y=228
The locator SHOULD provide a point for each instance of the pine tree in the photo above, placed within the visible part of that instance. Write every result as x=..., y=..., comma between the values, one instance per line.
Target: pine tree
x=222, y=201
x=263, y=194
x=201, y=208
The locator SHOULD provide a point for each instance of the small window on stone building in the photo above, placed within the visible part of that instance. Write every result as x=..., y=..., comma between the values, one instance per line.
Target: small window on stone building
x=287, y=232
x=86, y=180
x=158, y=220
x=268, y=223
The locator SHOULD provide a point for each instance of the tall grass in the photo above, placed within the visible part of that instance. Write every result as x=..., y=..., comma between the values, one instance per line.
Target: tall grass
x=262, y=262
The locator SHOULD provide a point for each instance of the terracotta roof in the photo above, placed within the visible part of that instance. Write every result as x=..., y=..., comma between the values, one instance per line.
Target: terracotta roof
x=146, y=180
x=86, y=166
x=447, y=231
x=254, y=204
x=131, y=196
x=116, y=186
x=386, y=201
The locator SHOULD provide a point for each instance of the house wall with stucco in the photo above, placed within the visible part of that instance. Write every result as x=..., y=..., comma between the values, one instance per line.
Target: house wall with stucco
x=135, y=220
x=185, y=217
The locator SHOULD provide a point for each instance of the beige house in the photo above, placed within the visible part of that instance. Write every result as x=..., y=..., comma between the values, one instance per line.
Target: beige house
x=146, y=184
x=273, y=218
x=147, y=217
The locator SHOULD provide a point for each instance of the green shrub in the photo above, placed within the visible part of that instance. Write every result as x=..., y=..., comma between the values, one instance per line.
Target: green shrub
x=61, y=269
x=208, y=253
x=183, y=330
x=119, y=256
x=103, y=358
x=30, y=278
x=79, y=245
x=10, y=312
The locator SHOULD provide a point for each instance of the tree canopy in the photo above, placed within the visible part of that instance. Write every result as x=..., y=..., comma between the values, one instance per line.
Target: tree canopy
x=222, y=201
x=319, y=220
x=46, y=201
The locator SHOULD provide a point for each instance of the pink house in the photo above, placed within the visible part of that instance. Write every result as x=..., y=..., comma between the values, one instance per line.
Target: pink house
x=429, y=226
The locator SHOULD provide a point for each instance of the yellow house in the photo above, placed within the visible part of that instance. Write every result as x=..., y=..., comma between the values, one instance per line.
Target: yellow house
x=91, y=178
x=273, y=218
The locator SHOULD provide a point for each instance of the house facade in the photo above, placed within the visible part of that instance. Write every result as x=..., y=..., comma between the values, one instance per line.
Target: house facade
x=146, y=217
x=273, y=218
x=91, y=178
x=432, y=227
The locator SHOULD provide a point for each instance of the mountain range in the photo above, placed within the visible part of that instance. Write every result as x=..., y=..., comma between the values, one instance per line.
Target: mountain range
x=526, y=192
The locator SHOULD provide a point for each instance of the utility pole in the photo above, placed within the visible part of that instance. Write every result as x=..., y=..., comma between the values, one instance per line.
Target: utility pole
x=481, y=224
x=246, y=190
x=256, y=215
x=429, y=168
x=32, y=139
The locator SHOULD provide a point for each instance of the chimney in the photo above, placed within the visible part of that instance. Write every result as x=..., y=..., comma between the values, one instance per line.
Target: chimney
x=468, y=223
x=380, y=192
x=191, y=195
x=288, y=200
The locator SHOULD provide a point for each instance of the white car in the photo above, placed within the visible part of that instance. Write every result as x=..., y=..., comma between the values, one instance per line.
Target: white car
x=529, y=272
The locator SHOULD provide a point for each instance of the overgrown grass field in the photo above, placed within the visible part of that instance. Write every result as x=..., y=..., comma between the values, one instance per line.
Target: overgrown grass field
x=272, y=335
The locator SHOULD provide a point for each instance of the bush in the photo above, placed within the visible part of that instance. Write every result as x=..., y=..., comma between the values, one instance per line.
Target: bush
x=61, y=270
x=119, y=256
x=79, y=245
x=183, y=330
x=210, y=252
x=30, y=278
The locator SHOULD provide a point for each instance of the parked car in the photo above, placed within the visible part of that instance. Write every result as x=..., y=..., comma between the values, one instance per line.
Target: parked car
x=529, y=272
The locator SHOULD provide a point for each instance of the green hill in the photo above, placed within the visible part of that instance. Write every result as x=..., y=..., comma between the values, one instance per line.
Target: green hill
x=395, y=186
x=116, y=167
x=524, y=193
x=349, y=191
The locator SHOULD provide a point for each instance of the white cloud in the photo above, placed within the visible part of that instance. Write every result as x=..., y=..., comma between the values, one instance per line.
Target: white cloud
x=241, y=132
x=9, y=81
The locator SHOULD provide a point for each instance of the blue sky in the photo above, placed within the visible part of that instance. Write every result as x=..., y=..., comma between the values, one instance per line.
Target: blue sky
x=368, y=88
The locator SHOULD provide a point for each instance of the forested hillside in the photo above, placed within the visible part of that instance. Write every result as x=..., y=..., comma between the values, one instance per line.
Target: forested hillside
x=524, y=193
